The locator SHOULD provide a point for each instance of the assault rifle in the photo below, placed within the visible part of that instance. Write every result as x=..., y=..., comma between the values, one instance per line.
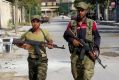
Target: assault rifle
x=35, y=44
x=85, y=46
x=90, y=51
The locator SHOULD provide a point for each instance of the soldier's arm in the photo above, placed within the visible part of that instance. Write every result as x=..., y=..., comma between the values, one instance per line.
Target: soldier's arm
x=97, y=37
x=66, y=34
x=49, y=39
x=24, y=46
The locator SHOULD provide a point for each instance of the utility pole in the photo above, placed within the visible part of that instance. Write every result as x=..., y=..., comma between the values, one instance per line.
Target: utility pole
x=117, y=10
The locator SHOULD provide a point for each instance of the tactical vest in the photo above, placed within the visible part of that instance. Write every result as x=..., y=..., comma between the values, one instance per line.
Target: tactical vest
x=89, y=23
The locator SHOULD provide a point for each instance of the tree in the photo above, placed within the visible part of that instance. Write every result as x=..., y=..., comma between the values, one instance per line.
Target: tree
x=28, y=4
x=14, y=3
x=94, y=5
x=92, y=2
x=64, y=8
x=32, y=7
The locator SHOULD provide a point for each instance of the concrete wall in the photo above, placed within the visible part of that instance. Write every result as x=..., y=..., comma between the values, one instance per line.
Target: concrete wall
x=5, y=13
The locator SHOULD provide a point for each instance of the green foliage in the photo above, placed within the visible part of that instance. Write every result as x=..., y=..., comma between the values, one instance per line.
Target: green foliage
x=61, y=10
x=24, y=24
x=64, y=8
x=32, y=7
x=28, y=4
x=92, y=2
x=10, y=24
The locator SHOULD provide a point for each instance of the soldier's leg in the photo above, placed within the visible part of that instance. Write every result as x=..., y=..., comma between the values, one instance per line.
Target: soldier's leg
x=42, y=71
x=32, y=70
x=89, y=68
x=80, y=70
x=74, y=58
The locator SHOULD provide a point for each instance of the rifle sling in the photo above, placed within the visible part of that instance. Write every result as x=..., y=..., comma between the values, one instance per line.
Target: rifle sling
x=44, y=34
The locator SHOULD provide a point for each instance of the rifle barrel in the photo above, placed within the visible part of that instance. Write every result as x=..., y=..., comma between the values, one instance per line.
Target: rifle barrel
x=100, y=62
x=56, y=46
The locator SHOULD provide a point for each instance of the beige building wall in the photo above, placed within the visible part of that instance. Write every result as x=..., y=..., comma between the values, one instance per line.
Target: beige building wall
x=49, y=9
x=72, y=7
x=5, y=13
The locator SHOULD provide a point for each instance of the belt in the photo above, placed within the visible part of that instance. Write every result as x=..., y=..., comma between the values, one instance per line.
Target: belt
x=33, y=58
x=37, y=59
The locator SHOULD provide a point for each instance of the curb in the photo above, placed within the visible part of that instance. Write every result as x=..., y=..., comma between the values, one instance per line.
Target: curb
x=109, y=23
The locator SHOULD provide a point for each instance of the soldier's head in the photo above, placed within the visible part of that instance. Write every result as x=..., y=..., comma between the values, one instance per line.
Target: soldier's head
x=35, y=21
x=82, y=9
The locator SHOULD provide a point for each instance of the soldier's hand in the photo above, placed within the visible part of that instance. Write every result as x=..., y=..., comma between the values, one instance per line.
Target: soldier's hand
x=26, y=46
x=96, y=53
x=76, y=42
x=92, y=56
x=50, y=46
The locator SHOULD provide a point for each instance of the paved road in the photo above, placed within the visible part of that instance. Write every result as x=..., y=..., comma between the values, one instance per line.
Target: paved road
x=59, y=60
x=109, y=51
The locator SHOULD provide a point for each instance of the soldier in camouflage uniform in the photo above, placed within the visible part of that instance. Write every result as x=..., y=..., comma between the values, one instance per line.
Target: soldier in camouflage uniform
x=37, y=63
x=83, y=28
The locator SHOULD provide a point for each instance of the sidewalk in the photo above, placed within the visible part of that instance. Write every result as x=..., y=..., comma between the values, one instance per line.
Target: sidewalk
x=110, y=23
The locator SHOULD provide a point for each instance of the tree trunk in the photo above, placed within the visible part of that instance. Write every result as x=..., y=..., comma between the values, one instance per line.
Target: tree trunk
x=107, y=11
x=22, y=14
x=30, y=15
x=16, y=15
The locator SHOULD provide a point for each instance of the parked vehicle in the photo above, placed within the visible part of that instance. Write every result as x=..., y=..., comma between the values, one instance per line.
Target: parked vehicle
x=44, y=19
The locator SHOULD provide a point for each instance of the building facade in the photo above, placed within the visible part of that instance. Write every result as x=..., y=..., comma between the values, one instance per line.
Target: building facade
x=49, y=8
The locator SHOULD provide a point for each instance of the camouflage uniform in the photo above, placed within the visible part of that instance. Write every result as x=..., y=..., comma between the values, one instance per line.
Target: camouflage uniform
x=37, y=64
x=81, y=69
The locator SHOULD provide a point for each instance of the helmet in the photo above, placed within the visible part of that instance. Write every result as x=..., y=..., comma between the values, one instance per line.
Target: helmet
x=82, y=5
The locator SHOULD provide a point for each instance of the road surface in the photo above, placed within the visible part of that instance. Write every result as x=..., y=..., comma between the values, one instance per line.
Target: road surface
x=13, y=66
